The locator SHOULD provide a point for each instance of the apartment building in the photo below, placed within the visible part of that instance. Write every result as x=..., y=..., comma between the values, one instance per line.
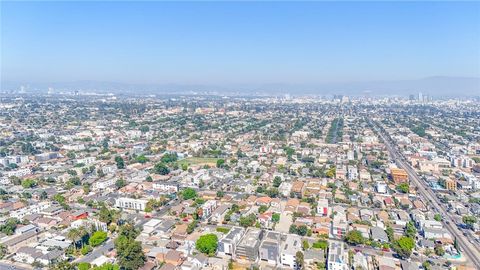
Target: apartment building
x=337, y=258
x=323, y=208
x=289, y=249
x=269, y=250
x=166, y=187
x=339, y=225
x=228, y=244
x=248, y=247
x=208, y=208
x=130, y=203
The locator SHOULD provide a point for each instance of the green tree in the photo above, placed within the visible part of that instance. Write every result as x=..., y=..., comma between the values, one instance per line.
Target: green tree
x=97, y=238
x=276, y=217
x=74, y=235
x=272, y=192
x=300, y=230
x=439, y=250
x=141, y=159
x=191, y=226
x=426, y=265
x=130, y=254
x=86, y=249
x=320, y=244
x=389, y=232
x=299, y=260
x=404, y=246
x=3, y=251
x=189, y=193
x=305, y=245
x=129, y=231
x=207, y=244
x=107, y=266
x=403, y=187
x=220, y=163
x=29, y=183
x=120, y=183
x=84, y=266
x=9, y=226
x=161, y=168
x=331, y=172
x=410, y=230
x=469, y=220
x=437, y=217
x=248, y=221
x=120, y=162
x=71, y=155
x=262, y=209
x=354, y=237
x=106, y=215
x=169, y=157
x=277, y=181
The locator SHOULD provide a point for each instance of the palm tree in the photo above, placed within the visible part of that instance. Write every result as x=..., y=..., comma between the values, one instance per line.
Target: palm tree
x=82, y=232
x=73, y=235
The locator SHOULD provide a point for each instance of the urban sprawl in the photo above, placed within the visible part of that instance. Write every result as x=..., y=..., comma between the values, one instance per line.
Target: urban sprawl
x=111, y=182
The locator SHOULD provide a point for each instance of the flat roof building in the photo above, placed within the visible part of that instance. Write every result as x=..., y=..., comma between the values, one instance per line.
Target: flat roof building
x=228, y=244
x=249, y=245
x=269, y=249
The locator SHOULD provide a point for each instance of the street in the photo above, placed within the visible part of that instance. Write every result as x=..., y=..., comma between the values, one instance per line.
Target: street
x=469, y=250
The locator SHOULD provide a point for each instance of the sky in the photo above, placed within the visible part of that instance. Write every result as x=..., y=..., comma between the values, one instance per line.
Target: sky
x=238, y=42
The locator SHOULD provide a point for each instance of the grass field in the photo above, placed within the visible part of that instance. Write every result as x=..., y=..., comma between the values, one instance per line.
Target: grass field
x=199, y=161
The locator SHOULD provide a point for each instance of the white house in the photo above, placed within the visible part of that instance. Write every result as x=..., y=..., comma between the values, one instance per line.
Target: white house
x=337, y=258
x=322, y=208
x=289, y=249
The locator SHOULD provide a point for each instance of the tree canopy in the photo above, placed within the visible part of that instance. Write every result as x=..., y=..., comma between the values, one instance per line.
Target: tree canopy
x=120, y=162
x=97, y=238
x=403, y=187
x=207, y=244
x=404, y=246
x=354, y=237
x=189, y=193
x=130, y=254
x=161, y=168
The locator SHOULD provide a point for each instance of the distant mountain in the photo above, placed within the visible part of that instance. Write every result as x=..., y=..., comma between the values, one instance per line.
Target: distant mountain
x=434, y=86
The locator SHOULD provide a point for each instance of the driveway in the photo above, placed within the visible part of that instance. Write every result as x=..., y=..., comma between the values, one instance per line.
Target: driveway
x=285, y=220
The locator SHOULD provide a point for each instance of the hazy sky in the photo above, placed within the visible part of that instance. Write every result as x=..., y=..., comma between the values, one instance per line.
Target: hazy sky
x=250, y=42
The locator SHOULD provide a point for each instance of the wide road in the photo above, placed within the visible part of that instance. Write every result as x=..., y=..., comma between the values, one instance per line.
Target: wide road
x=471, y=251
